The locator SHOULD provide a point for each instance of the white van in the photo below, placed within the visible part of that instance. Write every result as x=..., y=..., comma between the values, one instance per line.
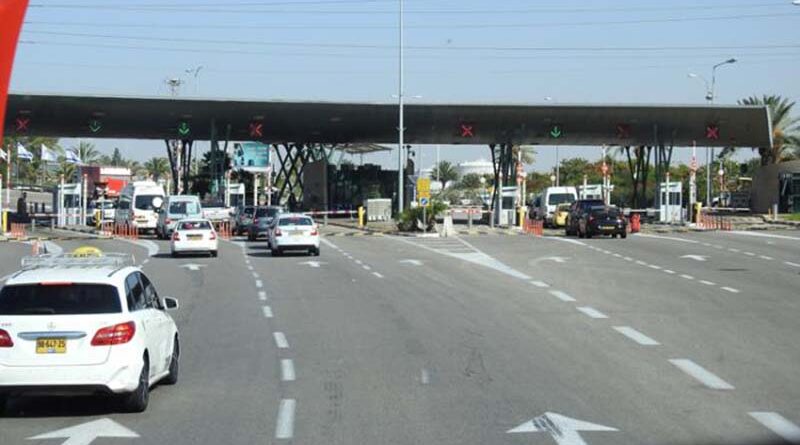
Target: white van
x=545, y=205
x=176, y=208
x=138, y=202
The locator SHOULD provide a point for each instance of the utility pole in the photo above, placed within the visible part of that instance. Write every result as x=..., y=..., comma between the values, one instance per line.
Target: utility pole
x=401, y=128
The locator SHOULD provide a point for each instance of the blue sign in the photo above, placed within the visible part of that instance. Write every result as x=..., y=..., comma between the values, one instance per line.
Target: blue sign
x=251, y=157
x=423, y=202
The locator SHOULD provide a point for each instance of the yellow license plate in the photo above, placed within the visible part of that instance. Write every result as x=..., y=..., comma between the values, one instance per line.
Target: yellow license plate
x=194, y=237
x=51, y=346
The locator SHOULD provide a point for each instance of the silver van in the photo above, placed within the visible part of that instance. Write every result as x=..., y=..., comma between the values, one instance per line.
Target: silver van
x=176, y=208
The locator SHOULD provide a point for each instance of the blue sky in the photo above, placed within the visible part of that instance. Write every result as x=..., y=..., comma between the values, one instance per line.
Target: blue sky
x=458, y=51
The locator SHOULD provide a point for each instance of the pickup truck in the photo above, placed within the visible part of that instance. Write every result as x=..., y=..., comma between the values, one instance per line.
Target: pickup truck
x=215, y=211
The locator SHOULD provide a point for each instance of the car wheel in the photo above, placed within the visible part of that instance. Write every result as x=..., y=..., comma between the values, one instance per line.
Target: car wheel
x=315, y=251
x=580, y=233
x=4, y=398
x=174, y=254
x=174, y=364
x=214, y=253
x=136, y=402
x=614, y=235
x=623, y=235
x=588, y=234
x=276, y=252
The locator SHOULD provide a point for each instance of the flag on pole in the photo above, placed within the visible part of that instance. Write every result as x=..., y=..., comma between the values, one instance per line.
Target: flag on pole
x=48, y=155
x=23, y=153
x=72, y=157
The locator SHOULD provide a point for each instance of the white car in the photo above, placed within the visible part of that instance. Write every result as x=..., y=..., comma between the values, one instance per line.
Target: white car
x=77, y=325
x=194, y=236
x=294, y=231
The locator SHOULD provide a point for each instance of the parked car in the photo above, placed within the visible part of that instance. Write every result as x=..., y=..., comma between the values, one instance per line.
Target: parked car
x=195, y=235
x=294, y=231
x=603, y=221
x=576, y=210
x=242, y=218
x=176, y=208
x=262, y=220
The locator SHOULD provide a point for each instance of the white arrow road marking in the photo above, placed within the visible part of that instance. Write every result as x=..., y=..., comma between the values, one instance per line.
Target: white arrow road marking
x=555, y=259
x=563, y=429
x=194, y=267
x=284, y=429
x=701, y=374
x=86, y=433
x=636, y=336
x=313, y=264
x=696, y=257
x=411, y=262
x=778, y=425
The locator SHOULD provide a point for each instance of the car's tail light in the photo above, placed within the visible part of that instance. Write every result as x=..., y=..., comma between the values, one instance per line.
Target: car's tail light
x=213, y=236
x=115, y=335
x=314, y=232
x=277, y=232
x=5, y=339
x=167, y=221
x=176, y=236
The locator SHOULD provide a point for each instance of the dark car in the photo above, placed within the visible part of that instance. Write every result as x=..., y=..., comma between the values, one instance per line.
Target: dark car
x=242, y=218
x=262, y=219
x=578, y=208
x=602, y=221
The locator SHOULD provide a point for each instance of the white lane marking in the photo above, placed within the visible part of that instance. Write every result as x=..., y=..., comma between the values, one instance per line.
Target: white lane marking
x=255, y=274
x=750, y=254
x=377, y=274
x=653, y=266
x=734, y=250
x=627, y=258
x=563, y=296
x=425, y=376
x=778, y=425
x=617, y=255
x=764, y=235
x=366, y=267
x=708, y=283
x=764, y=257
x=267, y=311
x=284, y=429
x=671, y=238
x=707, y=244
x=641, y=263
x=86, y=433
x=700, y=374
x=53, y=248
x=262, y=295
x=145, y=261
x=541, y=284
x=636, y=336
x=730, y=289
x=330, y=244
x=287, y=370
x=717, y=246
x=249, y=267
x=280, y=340
x=592, y=312
x=568, y=240
x=259, y=283
x=608, y=252
x=359, y=262
x=671, y=272
x=789, y=263
x=696, y=257
x=688, y=277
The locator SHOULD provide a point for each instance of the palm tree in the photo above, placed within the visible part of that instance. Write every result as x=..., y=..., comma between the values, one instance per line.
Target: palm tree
x=86, y=152
x=157, y=167
x=445, y=171
x=528, y=153
x=67, y=169
x=785, y=128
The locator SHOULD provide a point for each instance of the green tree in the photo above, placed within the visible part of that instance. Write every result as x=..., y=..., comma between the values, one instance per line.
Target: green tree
x=471, y=181
x=445, y=171
x=785, y=128
x=116, y=159
x=67, y=169
x=528, y=153
x=87, y=153
x=157, y=167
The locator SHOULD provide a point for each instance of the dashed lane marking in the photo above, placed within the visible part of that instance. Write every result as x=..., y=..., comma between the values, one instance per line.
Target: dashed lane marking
x=688, y=277
x=592, y=312
x=563, y=296
x=734, y=250
x=764, y=257
x=249, y=267
x=287, y=370
x=262, y=295
x=280, y=340
x=708, y=283
x=267, y=311
x=627, y=258
x=636, y=336
x=653, y=266
x=259, y=283
x=255, y=274
x=366, y=267
x=541, y=284
x=671, y=272
x=701, y=374
x=671, y=238
x=641, y=263
x=750, y=254
x=425, y=377
x=789, y=263
x=377, y=274
x=730, y=289
x=778, y=424
x=284, y=429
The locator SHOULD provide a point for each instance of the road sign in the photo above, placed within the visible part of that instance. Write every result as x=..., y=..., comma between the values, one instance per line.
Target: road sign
x=21, y=124
x=95, y=126
x=184, y=129
x=424, y=191
x=563, y=429
x=256, y=129
x=623, y=131
x=556, y=131
x=712, y=132
x=467, y=130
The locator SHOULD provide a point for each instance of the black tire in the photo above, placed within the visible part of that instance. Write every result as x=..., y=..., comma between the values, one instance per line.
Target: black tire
x=315, y=251
x=250, y=237
x=614, y=235
x=276, y=252
x=623, y=235
x=214, y=253
x=174, y=254
x=580, y=234
x=174, y=364
x=4, y=398
x=137, y=401
x=588, y=234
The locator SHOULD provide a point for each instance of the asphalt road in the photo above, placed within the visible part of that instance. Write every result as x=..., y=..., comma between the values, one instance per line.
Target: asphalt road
x=457, y=341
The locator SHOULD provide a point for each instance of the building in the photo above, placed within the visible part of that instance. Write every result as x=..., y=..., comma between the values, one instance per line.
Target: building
x=480, y=167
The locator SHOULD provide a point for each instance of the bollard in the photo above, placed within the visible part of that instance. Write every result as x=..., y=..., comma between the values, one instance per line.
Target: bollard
x=360, y=216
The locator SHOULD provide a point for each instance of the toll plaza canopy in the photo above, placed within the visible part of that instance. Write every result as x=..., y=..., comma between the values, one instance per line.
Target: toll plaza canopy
x=342, y=122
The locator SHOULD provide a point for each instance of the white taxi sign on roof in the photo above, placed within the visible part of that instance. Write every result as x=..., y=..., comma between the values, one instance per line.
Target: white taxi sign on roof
x=78, y=259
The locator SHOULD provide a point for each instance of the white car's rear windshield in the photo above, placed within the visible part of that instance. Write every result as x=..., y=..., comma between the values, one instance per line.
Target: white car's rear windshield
x=295, y=221
x=194, y=225
x=184, y=208
x=59, y=299
x=145, y=202
x=560, y=198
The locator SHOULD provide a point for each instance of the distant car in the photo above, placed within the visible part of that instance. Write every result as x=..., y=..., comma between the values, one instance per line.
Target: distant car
x=544, y=206
x=242, y=218
x=576, y=210
x=194, y=236
x=104, y=208
x=603, y=221
x=176, y=208
x=85, y=324
x=294, y=231
x=262, y=220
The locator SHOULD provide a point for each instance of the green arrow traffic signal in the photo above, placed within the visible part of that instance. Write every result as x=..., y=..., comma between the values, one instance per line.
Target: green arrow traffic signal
x=183, y=129
x=95, y=126
x=556, y=132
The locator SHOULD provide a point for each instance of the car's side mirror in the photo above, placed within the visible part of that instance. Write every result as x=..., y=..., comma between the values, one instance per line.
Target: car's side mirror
x=169, y=303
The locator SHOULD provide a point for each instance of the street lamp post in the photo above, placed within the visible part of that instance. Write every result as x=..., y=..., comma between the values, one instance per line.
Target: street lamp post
x=401, y=128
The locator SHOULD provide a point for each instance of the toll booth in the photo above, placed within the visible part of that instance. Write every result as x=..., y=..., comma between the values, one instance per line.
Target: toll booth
x=236, y=195
x=71, y=195
x=671, y=202
x=508, y=211
x=789, y=193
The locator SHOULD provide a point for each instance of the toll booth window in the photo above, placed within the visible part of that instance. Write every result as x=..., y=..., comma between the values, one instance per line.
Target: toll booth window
x=195, y=225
